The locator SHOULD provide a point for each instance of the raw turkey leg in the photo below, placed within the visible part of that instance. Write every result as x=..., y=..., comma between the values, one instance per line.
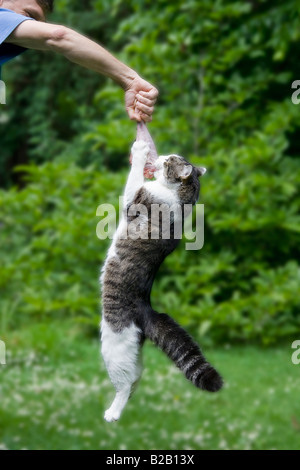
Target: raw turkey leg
x=143, y=134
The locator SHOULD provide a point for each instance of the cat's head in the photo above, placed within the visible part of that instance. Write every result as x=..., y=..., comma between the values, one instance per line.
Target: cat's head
x=176, y=170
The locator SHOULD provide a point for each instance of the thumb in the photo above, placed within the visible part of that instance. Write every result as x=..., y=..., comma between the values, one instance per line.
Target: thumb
x=133, y=115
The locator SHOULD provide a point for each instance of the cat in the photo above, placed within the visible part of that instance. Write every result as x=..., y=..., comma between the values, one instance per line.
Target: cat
x=127, y=278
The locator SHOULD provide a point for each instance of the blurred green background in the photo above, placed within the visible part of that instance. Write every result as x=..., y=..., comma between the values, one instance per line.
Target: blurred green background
x=224, y=70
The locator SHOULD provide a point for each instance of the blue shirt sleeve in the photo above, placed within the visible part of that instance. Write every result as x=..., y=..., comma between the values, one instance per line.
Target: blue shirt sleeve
x=9, y=20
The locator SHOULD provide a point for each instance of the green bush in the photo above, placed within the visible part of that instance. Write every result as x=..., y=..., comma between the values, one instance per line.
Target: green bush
x=50, y=254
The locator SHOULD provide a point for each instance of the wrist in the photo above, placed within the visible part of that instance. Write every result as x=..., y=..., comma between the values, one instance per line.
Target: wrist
x=126, y=78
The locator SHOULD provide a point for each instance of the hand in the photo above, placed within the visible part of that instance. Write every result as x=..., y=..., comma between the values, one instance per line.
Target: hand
x=140, y=98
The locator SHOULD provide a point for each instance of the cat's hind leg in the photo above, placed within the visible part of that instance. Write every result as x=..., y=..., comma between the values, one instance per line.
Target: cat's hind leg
x=122, y=356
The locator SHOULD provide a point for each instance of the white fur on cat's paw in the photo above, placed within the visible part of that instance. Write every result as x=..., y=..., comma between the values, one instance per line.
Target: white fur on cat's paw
x=140, y=151
x=111, y=415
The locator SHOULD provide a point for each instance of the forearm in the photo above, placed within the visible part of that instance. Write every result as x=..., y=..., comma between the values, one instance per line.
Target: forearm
x=85, y=52
x=74, y=46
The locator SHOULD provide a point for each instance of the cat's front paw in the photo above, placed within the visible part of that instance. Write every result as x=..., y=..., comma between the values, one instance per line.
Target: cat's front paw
x=140, y=151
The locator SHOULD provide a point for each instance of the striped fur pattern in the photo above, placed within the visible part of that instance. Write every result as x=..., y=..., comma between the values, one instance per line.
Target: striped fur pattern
x=127, y=278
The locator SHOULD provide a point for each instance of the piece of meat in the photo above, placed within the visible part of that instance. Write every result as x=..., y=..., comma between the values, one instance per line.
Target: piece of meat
x=143, y=134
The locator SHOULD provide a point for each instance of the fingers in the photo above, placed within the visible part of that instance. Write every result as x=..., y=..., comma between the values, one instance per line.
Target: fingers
x=145, y=102
x=144, y=109
x=151, y=94
x=133, y=115
x=140, y=100
x=145, y=117
x=140, y=112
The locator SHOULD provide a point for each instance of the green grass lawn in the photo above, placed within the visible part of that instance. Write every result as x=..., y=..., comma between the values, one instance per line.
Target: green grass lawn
x=54, y=391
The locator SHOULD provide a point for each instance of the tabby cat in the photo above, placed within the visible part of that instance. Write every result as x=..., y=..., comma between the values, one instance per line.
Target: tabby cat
x=128, y=275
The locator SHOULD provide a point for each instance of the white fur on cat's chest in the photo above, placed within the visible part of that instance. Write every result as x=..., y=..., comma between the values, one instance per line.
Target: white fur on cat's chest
x=161, y=192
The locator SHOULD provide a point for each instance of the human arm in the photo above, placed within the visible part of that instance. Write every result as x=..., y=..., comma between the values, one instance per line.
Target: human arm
x=140, y=96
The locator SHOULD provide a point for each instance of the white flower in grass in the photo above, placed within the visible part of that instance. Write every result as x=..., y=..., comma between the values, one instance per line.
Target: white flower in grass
x=88, y=433
x=199, y=439
x=252, y=436
x=223, y=444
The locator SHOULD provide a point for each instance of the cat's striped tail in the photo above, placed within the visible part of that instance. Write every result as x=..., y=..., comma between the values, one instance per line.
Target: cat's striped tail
x=181, y=348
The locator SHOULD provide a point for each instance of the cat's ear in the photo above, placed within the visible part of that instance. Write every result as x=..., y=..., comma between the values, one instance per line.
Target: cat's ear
x=200, y=171
x=186, y=172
